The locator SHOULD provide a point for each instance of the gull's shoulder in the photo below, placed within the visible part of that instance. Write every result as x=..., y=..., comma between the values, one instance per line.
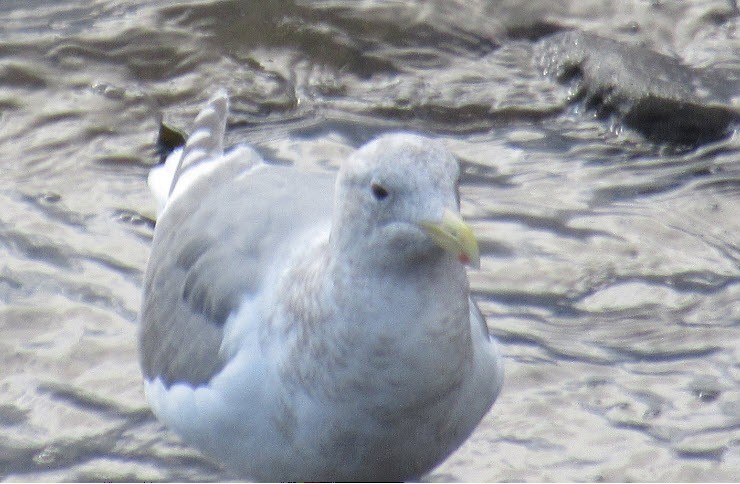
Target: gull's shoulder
x=211, y=253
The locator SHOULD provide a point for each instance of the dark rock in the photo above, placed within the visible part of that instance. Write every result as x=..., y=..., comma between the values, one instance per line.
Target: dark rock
x=650, y=92
x=169, y=139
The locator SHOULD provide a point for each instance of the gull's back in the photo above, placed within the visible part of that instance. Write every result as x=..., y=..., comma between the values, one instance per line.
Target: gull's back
x=223, y=219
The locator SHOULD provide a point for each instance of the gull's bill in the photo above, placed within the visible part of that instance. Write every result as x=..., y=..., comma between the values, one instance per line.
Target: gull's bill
x=455, y=236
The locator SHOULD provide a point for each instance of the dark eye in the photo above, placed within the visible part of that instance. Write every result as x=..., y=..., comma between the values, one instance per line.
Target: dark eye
x=378, y=191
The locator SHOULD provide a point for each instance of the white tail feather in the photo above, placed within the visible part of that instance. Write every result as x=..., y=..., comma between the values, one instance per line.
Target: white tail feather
x=204, y=146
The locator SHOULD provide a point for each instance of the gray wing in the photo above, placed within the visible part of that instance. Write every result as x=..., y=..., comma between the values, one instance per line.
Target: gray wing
x=211, y=248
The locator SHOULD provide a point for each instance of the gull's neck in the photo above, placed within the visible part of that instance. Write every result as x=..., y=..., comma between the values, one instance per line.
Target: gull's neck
x=389, y=297
x=375, y=329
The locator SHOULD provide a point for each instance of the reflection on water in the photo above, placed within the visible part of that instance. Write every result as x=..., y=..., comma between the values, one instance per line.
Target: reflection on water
x=611, y=266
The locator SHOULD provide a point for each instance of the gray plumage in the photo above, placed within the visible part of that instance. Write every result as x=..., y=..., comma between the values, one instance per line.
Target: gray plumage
x=210, y=252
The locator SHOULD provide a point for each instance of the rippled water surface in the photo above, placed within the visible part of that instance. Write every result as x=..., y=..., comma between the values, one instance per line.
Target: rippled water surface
x=611, y=268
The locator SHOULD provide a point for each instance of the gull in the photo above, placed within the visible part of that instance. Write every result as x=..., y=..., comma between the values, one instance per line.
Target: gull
x=310, y=326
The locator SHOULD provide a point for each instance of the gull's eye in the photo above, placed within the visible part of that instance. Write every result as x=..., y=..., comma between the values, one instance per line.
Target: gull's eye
x=379, y=192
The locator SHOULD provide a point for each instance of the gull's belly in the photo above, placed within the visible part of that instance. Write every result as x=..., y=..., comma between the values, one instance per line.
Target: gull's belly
x=246, y=418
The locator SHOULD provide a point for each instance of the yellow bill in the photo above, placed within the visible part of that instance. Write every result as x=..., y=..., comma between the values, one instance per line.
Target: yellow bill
x=455, y=236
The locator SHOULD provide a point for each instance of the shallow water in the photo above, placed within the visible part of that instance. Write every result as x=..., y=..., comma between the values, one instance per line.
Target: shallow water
x=611, y=266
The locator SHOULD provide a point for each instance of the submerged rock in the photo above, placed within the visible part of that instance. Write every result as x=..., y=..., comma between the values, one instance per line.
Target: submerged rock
x=652, y=93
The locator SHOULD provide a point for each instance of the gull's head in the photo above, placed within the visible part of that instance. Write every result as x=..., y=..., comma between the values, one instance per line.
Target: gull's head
x=397, y=202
